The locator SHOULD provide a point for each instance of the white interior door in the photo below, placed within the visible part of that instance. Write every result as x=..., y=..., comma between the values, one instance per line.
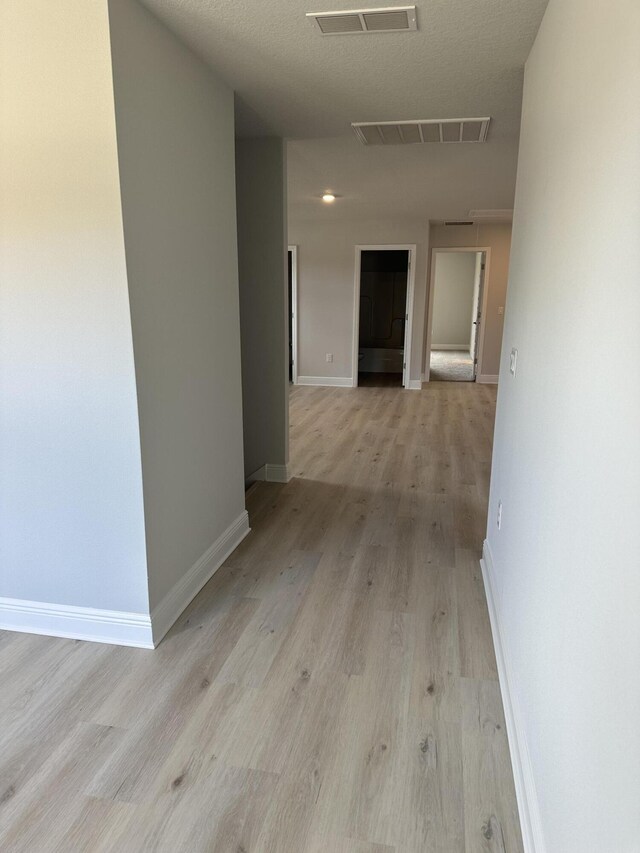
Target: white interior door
x=478, y=292
x=407, y=321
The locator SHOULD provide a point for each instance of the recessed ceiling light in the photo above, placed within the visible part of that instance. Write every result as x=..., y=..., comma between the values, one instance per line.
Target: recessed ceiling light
x=328, y=197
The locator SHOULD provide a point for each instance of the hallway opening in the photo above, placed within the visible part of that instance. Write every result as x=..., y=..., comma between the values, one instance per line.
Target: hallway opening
x=333, y=687
x=383, y=305
x=455, y=318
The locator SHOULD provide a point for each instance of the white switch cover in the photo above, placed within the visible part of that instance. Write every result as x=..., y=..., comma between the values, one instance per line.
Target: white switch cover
x=513, y=361
x=499, y=516
x=329, y=357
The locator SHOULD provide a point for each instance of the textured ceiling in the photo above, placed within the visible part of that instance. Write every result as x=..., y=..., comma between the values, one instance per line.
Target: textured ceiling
x=407, y=181
x=466, y=59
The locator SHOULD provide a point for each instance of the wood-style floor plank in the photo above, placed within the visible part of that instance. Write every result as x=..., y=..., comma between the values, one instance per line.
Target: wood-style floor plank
x=332, y=689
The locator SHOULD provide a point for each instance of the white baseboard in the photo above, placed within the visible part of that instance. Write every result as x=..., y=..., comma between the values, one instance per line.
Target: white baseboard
x=527, y=797
x=258, y=476
x=117, y=627
x=414, y=385
x=276, y=473
x=457, y=347
x=185, y=590
x=329, y=381
x=270, y=473
x=487, y=378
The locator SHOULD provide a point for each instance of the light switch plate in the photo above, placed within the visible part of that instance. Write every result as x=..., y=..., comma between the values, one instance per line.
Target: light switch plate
x=513, y=361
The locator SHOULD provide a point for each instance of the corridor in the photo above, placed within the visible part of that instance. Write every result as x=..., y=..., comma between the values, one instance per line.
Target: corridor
x=332, y=689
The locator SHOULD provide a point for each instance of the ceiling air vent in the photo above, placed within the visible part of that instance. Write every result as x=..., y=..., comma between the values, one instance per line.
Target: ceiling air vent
x=389, y=20
x=497, y=215
x=457, y=222
x=448, y=130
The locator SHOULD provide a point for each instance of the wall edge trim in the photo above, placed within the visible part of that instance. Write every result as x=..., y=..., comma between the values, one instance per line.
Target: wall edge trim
x=116, y=627
x=526, y=795
x=270, y=472
x=277, y=473
x=329, y=381
x=166, y=613
x=258, y=476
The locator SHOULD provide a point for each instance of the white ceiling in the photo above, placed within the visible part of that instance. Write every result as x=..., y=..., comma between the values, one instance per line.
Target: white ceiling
x=466, y=59
x=404, y=181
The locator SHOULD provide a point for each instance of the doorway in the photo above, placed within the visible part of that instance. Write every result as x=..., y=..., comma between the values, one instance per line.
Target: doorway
x=456, y=310
x=292, y=302
x=382, y=315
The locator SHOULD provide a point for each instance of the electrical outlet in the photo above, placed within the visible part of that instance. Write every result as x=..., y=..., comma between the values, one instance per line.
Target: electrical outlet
x=501, y=309
x=329, y=357
x=499, y=516
x=513, y=360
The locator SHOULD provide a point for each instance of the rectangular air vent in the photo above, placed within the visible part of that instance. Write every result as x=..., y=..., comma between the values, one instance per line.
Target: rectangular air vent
x=497, y=215
x=448, y=130
x=390, y=20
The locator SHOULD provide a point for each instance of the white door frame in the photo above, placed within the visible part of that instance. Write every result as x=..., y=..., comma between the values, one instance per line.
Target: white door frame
x=408, y=326
x=293, y=308
x=485, y=292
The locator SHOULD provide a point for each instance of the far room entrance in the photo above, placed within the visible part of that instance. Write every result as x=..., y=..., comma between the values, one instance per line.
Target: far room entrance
x=382, y=315
x=457, y=277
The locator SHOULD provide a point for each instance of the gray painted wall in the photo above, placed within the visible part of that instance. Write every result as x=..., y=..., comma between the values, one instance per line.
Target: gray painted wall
x=176, y=150
x=455, y=274
x=326, y=270
x=566, y=462
x=71, y=512
x=262, y=247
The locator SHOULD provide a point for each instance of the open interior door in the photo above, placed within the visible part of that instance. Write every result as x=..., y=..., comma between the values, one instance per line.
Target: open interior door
x=476, y=325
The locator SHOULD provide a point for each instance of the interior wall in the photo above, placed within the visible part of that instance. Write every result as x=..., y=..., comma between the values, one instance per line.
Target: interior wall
x=326, y=277
x=498, y=237
x=453, y=300
x=262, y=257
x=71, y=511
x=566, y=462
x=176, y=149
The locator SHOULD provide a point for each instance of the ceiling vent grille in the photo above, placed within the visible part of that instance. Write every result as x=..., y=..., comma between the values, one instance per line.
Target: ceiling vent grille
x=497, y=215
x=450, y=130
x=390, y=20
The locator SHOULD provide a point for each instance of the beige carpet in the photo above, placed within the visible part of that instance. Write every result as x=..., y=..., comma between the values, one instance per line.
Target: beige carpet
x=451, y=366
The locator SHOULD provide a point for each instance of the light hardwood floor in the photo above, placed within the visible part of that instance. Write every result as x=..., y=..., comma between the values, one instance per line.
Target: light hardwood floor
x=332, y=689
